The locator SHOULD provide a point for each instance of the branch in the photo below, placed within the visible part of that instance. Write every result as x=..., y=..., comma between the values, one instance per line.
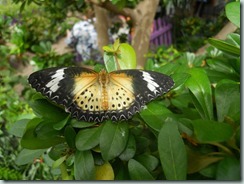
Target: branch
x=128, y=12
x=222, y=34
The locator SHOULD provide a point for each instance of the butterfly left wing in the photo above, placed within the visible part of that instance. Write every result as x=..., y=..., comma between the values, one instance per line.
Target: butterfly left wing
x=60, y=84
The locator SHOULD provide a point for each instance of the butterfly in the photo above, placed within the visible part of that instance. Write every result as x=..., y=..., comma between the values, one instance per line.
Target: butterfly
x=97, y=96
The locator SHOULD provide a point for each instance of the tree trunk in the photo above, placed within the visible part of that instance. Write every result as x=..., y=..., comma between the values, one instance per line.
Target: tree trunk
x=102, y=25
x=142, y=17
x=145, y=12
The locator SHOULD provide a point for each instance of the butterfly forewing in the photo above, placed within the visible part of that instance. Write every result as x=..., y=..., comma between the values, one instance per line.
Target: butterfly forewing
x=92, y=96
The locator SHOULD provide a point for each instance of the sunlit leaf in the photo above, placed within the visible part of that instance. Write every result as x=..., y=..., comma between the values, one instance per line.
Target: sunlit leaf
x=200, y=88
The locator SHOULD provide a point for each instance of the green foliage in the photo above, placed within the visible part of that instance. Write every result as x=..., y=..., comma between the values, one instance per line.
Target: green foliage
x=192, y=32
x=45, y=57
x=192, y=132
x=179, y=123
x=9, y=174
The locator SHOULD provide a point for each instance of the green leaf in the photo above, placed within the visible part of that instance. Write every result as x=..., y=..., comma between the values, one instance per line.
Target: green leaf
x=232, y=10
x=43, y=108
x=58, y=151
x=148, y=161
x=180, y=79
x=84, y=168
x=154, y=114
x=172, y=151
x=130, y=149
x=228, y=100
x=234, y=38
x=225, y=47
x=127, y=57
x=229, y=169
x=27, y=156
x=18, y=127
x=120, y=170
x=201, y=92
x=110, y=61
x=40, y=135
x=212, y=131
x=108, y=49
x=169, y=68
x=88, y=138
x=70, y=134
x=81, y=124
x=61, y=124
x=137, y=171
x=113, y=139
x=58, y=162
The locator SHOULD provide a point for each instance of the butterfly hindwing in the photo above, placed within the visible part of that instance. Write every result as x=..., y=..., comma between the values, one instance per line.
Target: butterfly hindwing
x=92, y=96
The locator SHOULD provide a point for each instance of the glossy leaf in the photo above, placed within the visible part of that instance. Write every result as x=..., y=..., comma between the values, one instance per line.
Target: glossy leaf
x=27, y=156
x=70, y=134
x=228, y=100
x=201, y=92
x=229, y=169
x=212, y=131
x=113, y=139
x=58, y=151
x=148, y=161
x=172, y=151
x=45, y=109
x=225, y=47
x=179, y=79
x=137, y=171
x=88, y=138
x=104, y=172
x=40, y=135
x=169, y=68
x=154, y=114
x=130, y=149
x=233, y=12
x=234, y=39
x=59, y=125
x=84, y=168
x=81, y=124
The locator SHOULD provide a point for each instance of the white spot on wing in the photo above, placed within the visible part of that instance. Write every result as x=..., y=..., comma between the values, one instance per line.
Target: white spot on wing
x=58, y=76
x=151, y=85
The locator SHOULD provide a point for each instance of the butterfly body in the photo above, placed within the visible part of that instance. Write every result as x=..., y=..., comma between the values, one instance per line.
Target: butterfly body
x=98, y=96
